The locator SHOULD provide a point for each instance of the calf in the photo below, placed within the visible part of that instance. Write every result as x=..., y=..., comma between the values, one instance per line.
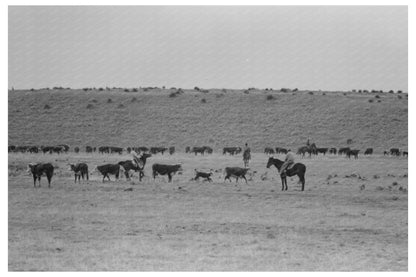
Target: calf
x=322, y=150
x=343, y=150
x=164, y=169
x=236, y=172
x=79, y=170
x=205, y=175
x=39, y=169
x=107, y=169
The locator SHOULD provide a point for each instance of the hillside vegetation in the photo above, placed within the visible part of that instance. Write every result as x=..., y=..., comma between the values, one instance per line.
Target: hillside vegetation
x=214, y=118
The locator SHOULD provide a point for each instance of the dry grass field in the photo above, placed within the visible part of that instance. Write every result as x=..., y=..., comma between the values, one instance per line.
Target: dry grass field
x=352, y=216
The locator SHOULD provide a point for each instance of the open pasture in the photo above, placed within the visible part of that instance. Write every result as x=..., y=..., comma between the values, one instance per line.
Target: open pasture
x=352, y=216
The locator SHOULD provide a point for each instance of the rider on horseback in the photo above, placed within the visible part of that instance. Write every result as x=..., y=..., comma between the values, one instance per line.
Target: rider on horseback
x=136, y=159
x=289, y=160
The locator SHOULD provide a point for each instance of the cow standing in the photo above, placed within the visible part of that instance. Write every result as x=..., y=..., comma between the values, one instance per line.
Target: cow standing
x=79, y=170
x=236, y=172
x=107, y=169
x=164, y=169
x=39, y=169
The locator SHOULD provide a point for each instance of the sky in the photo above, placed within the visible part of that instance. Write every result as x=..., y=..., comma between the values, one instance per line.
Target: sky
x=305, y=47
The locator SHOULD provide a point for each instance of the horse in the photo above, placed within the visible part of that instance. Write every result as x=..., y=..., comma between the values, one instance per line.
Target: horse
x=139, y=166
x=298, y=169
x=246, y=157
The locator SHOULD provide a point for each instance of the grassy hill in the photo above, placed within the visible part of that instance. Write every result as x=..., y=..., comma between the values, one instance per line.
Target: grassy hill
x=152, y=118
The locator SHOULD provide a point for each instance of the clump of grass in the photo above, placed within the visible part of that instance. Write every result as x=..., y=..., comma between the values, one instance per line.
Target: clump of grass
x=399, y=96
x=377, y=96
x=173, y=94
x=126, y=90
x=94, y=100
x=370, y=100
x=109, y=100
x=134, y=99
x=90, y=106
x=246, y=92
x=203, y=100
x=120, y=106
x=311, y=92
x=135, y=90
x=46, y=107
x=270, y=97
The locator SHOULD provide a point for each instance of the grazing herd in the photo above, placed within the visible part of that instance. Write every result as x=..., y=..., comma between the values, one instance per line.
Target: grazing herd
x=81, y=169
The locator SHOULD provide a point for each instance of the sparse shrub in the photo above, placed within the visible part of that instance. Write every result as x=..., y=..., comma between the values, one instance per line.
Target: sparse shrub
x=296, y=89
x=173, y=94
x=323, y=93
x=399, y=91
x=391, y=91
x=394, y=184
x=120, y=106
x=270, y=97
x=85, y=89
x=246, y=92
x=219, y=95
x=378, y=101
x=76, y=149
x=399, y=96
x=94, y=100
x=100, y=89
x=204, y=90
x=163, y=87
x=354, y=90
x=345, y=93
x=46, y=107
x=365, y=91
x=126, y=90
x=377, y=96
x=224, y=90
x=376, y=176
x=179, y=91
x=203, y=100
x=311, y=92
x=370, y=100
x=196, y=88
x=32, y=89
x=135, y=90
x=285, y=90
x=90, y=106
x=109, y=100
x=172, y=88
x=134, y=99
x=360, y=91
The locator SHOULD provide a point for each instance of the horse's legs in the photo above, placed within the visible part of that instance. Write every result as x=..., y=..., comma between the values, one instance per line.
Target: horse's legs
x=302, y=179
x=245, y=178
x=283, y=182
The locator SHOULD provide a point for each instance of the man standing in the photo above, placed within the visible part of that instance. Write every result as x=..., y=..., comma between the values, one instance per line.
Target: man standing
x=246, y=155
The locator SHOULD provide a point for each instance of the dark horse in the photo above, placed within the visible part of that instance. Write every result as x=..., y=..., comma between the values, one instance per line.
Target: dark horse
x=128, y=165
x=297, y=169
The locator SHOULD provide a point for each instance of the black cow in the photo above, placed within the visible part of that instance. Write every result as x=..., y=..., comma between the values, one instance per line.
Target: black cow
x=107, y=169
x=280, y=150
x=155, y=150
x=164, y=169
x=12, y=148
x=322, y=150
x=197, y=150
x=343, y=150
x=33, y=149
x=187, y=149
x=39, y=169
x=21, y=149
x=116, y=150
x=268, y=150
x=103, y=149
x=200, y=174
x=395, y=151
x=236, y=172
x=208, y=149
x=231, y=150
x=405, y=153
x=79, y=169
x=386, y=153
x=88, y=149
x=141, y=149
x=171, y=150
x=353, y=152
x=333, y=151
x=368, y=151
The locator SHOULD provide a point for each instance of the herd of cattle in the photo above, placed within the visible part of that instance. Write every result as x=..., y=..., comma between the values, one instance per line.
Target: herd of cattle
x=81, y=169
x=64, y=148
